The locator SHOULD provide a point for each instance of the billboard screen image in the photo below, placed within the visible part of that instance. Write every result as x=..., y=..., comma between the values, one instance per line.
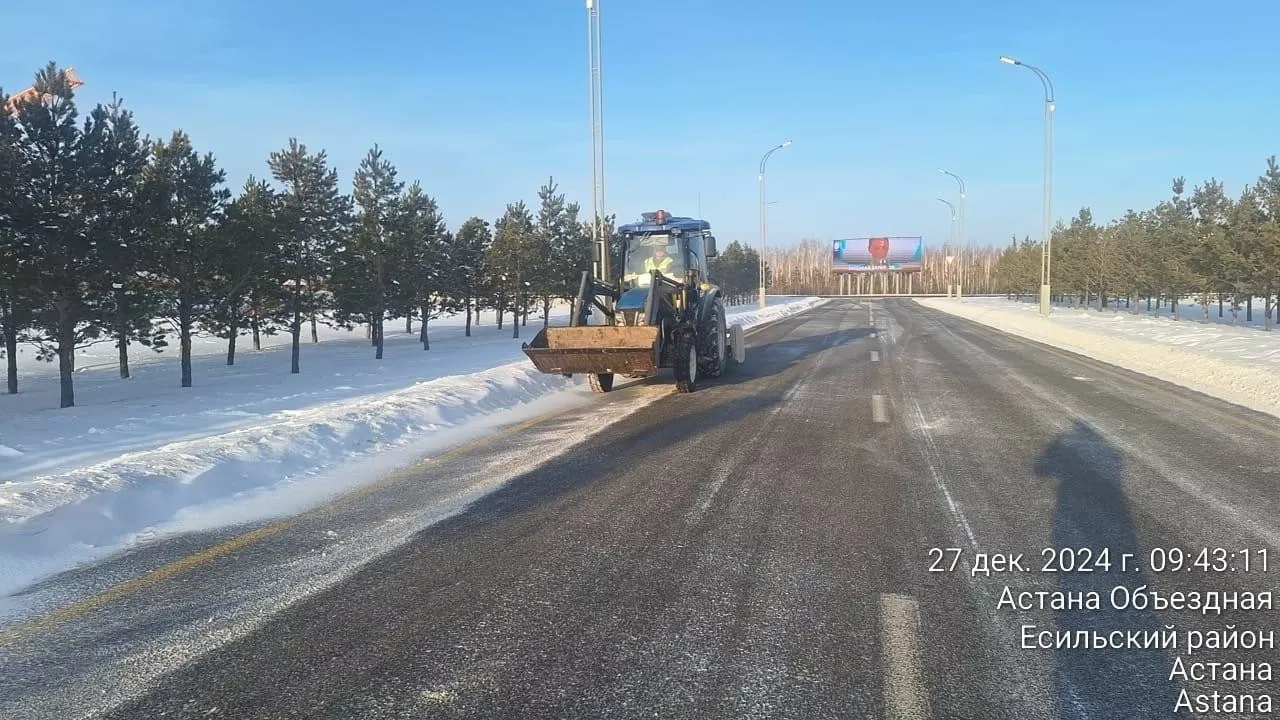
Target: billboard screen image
x=878, y=254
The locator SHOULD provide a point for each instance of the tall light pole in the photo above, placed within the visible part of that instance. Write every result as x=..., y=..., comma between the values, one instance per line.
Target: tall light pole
x=603, y=268
x=959, y=229
x=950, y=241
x=764, y=160
x=1046, y=250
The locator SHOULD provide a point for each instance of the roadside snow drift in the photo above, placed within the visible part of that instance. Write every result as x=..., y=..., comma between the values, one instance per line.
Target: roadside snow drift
x=135, y=455
x=1238, y=364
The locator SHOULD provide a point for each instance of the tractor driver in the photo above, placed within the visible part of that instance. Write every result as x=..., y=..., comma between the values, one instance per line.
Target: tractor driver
x=659, y=261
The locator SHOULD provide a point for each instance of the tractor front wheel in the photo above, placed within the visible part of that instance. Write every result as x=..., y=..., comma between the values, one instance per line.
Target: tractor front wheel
x=686, y=362
x=600, y=382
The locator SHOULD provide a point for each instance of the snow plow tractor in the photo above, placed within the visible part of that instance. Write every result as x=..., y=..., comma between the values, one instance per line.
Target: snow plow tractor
x=660, y=311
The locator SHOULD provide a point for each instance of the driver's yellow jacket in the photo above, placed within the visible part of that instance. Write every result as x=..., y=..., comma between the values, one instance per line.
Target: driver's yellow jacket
x=663, y=266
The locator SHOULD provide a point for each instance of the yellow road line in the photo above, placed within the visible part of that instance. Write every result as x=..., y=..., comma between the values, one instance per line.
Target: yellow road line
x=132, y=587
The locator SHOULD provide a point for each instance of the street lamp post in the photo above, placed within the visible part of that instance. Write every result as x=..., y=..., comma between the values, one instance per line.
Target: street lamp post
x=603, y=268
x=1046, y=250
x=950, y=242
x=764, y=160
x=959, y=229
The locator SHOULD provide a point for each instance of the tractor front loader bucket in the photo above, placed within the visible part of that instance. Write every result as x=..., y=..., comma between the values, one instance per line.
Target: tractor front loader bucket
x=596, y=349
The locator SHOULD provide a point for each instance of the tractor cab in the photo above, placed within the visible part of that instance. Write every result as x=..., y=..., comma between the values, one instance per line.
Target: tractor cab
x=676, y=247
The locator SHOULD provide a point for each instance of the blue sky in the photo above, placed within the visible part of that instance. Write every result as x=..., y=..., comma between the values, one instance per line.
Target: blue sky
x=484, y=101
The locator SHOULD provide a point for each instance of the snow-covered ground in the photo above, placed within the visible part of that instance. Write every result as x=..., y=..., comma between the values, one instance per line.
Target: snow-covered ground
x=1238, y=364
x=141, y=457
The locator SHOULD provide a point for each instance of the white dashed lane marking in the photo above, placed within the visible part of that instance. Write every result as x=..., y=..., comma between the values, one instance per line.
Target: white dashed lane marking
x=905, y=697
x=879, y=409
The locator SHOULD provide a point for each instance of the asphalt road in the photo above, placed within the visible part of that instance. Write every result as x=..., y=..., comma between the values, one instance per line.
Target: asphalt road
x=758, y=549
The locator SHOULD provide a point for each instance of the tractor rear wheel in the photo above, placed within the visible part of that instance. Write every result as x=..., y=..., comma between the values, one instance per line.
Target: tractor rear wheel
x=600, y=382
x=686, y=362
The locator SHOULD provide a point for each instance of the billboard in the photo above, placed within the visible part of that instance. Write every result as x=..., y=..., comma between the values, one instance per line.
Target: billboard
x=878, y=254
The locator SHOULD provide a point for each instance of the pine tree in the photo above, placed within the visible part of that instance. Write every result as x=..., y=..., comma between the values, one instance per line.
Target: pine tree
x=55, y=242
x=314, y=216
x=1209, y=249
x=15, y=258
x=550, y=243
x=424, y=247
x=494, y=294
x=1175, y=233
x=1267, y=193
x=1081, y=258
x=736, y=271
x=1247, y=253
x=366, y=267
x=511, y=256
x=1018, y=269
x=572, y=255
x=467, y=256
x=118, y=157
x=185, y=199
x=1132, y=250
x=241, y=286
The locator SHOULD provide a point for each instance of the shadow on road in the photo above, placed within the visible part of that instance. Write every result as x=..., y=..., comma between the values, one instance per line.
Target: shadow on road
x=1092, y=512
x=766, y=359
x=608, y=458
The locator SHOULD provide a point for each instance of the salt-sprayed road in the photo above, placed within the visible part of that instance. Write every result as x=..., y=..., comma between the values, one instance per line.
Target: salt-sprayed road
x=761, y=548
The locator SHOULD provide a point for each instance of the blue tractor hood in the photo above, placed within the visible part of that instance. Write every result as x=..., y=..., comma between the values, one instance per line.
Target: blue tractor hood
x=633, y=299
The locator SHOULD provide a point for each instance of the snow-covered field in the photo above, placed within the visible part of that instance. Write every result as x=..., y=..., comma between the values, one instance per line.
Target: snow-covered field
x=1238, y=364
x=141, y=457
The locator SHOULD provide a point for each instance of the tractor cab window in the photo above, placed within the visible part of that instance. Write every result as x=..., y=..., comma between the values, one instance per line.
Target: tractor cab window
x=648, y=252
x=696, y=249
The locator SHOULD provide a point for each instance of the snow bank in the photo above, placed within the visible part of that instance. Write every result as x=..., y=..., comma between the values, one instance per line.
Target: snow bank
x=777, y=308
x=138, y=455
x=78, y=514
x=1237, y=364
